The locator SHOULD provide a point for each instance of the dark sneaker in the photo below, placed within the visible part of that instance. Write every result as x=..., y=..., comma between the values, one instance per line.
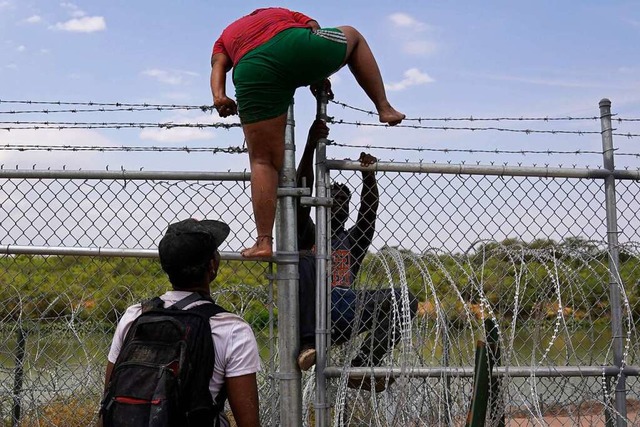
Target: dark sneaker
x=306, y=358
x=367, y=382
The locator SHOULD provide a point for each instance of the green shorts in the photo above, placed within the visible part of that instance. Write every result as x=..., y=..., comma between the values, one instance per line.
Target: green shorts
x=267, y=77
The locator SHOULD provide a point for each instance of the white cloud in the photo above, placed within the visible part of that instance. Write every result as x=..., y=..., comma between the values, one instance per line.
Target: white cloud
x=11, y=66
x=53, y=137
x=87, y=24
x=410, y=33
x=50, y=137
x=176, y=134
x=21, y=48
x=171, y=77
x=407, y=21
x=34, y=19
x=74, y=10
x=5, y=4
x=412, y=77
x=632, y=22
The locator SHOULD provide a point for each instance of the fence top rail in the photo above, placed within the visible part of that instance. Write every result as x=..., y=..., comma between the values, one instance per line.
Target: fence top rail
x=114, y=252
x=406, y=167
x=125, y=175
x=468, y=371
x=463, y=169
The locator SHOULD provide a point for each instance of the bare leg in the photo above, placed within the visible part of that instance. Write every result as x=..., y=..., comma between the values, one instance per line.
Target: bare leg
x=365, y=69
x=265, y=142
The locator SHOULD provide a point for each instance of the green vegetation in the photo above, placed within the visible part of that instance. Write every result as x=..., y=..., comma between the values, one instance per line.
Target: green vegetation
x=576, y=268
x=100, y=289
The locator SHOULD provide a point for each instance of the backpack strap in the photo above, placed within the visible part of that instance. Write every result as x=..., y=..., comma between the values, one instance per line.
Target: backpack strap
x=220, y=400
x=151, y=304
x=189, y=299
x=207, y=310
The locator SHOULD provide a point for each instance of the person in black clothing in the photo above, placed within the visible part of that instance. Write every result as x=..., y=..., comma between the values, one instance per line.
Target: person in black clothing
x=352, y=310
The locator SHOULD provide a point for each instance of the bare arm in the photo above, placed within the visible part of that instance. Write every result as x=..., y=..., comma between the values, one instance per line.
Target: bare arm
x=305, y=171
x=107, y=377
x=313, y=24
x=365, y=225
x=317, y=131
x=220, y=65
x=242, y=392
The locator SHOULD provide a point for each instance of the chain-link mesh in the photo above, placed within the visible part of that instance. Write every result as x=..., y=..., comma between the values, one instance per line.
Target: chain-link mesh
x=58, y=313
x=448, y=253
x=127, y=214
x=58, y=316
x=527, y=254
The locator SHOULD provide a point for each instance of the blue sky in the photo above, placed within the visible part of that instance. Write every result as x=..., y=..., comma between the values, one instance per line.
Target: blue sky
x=438, y=59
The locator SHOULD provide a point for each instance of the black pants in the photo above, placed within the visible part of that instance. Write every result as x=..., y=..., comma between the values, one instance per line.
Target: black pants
x=379, y=313
x=354, y=311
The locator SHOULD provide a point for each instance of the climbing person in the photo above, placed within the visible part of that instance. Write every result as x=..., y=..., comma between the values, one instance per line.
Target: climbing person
x=353, y=311
x=273, y=51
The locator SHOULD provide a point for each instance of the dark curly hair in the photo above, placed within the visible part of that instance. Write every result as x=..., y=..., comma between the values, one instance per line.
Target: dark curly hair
x=185, y=275
x=338, y=187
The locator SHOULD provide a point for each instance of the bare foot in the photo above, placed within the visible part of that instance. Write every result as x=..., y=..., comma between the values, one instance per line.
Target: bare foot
x=262, y=248
x=390, y=116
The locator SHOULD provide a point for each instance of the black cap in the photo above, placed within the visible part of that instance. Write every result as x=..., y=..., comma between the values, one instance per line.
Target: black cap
x=191, y=242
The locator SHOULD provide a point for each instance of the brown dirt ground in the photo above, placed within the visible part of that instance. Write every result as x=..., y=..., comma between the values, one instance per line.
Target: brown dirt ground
x=588, y=414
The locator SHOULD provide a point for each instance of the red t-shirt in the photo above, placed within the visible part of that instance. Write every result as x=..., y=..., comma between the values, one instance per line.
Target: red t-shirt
x=258, y=27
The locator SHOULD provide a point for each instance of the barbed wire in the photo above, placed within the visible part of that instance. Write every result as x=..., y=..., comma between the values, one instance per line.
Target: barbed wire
x=37, y=125
x=473, y=151
x=473, y=129
x=627, y=135
x=34, y=147
x=60, y=125
x=4, y=166
x=110, y=104
x=203, y=108
x=238, y=150
x=471, y=118
x=495, y=119
x=130, y=106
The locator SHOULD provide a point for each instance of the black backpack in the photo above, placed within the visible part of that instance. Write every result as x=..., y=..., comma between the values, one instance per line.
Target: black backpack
x=161, y=376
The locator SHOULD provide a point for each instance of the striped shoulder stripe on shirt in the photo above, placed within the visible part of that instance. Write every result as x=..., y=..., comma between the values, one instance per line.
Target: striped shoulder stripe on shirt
x=335, y=36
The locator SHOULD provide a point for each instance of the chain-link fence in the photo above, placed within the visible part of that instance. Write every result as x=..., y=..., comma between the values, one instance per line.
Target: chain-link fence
x=60, y=304
x=454, y=250
x=527, y=253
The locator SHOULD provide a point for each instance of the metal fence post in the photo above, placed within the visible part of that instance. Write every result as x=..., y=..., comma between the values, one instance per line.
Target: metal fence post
x=21, y=341
x=287, y=275
x=614, y=260
x=323, y=243
x=273, y=405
